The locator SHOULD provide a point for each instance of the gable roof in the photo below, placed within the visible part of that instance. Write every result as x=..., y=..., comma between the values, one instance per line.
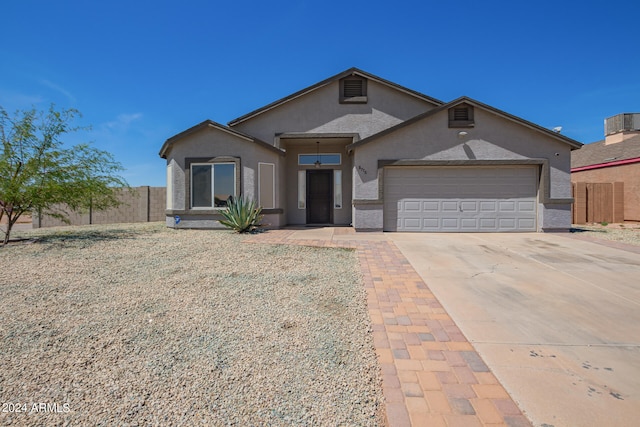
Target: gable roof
x=350, y=72
x=601, y=154
x=211, y=124
x=466, y=100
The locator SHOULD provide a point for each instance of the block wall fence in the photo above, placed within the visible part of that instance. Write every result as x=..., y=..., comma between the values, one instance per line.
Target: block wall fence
x=140, y=204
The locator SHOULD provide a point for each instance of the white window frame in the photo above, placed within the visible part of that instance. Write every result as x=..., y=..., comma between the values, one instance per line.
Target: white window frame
x=302, y=189
x=337, y=189
x=273, y=185
x=169, y=204
x=321, y=154
x=212, y=165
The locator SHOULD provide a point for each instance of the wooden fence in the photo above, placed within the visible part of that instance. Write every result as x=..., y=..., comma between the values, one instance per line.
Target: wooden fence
x=598, y=202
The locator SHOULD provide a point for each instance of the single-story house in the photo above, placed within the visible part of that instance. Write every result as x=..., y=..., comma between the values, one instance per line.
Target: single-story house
x=614, y=159
x=356, y=149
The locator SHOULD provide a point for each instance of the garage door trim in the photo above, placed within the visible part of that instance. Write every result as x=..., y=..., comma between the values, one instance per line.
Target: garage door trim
x=469, y=198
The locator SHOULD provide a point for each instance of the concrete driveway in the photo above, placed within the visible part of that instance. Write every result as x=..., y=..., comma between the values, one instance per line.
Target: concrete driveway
x=557, y=319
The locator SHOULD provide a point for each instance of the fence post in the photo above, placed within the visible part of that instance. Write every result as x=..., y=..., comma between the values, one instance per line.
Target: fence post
x=580, y=202
x=618, y=202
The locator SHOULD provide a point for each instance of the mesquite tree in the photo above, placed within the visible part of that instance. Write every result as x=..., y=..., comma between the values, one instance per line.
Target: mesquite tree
x=38, y=173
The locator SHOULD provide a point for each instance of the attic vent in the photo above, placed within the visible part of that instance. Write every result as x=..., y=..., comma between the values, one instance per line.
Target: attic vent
x=461, y=116
x=353, y=90
x=461, y=113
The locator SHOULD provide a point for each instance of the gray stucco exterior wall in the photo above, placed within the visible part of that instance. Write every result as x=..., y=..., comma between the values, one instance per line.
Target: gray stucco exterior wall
x=493, y=138
x=321, y=112
x=206, y=145
x=384, y=125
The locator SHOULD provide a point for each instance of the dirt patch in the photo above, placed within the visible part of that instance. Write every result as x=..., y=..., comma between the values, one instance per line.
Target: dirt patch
x=144, y=325
x=628, y=233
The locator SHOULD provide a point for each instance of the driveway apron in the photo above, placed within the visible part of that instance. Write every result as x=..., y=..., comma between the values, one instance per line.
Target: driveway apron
x=557, y=319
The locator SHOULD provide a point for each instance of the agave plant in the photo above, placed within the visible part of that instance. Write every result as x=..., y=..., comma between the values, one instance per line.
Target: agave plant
x=241, y=215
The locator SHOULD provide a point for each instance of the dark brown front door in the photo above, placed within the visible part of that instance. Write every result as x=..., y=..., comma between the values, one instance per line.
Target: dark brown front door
x=319, y=196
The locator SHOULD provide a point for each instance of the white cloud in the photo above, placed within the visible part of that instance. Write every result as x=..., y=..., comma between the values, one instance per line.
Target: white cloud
x=13, y=100
x=123, y=121
x=58, y=88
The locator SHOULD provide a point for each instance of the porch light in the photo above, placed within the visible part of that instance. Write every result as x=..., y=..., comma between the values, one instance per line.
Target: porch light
x=317, y=163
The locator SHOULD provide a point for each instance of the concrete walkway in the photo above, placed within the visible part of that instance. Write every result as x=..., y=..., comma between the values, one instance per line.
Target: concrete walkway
x=432, y=376
x=557, y=319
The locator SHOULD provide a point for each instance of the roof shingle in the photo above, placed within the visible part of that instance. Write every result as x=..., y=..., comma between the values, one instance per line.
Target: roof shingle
x=598, y=153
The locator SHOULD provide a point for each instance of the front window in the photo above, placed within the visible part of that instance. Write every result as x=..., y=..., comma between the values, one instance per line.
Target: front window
x=212, y=184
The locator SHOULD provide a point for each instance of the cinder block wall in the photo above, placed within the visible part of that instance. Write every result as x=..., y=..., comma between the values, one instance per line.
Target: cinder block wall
x=157, y=203
x=139, y=204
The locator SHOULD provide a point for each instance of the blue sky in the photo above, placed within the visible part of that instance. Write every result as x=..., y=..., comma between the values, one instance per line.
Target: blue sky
x=141, y=72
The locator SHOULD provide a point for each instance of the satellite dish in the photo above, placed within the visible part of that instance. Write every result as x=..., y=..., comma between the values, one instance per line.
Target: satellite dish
x=557, y=129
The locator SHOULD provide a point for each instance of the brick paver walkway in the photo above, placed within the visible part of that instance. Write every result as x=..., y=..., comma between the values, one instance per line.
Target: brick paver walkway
x=432, y=376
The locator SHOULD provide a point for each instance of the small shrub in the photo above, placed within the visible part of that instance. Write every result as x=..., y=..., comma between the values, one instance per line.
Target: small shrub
x=242, y=215
x=604, y=223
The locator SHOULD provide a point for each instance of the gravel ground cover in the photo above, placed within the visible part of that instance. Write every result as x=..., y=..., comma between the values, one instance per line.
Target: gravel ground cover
x=144, y=325
x=625, y=233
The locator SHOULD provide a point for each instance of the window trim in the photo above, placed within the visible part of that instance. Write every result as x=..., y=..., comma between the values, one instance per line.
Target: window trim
x=302, y=189
x=273, y=185
x=321, y=154
x=337, y=189
x=169, y=193
x=212, y=162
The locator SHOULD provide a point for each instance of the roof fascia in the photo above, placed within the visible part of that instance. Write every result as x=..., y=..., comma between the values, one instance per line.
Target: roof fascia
x=350, y=72
x=211, y=124
x=606, y=165
x=570, y=141
x=466, y=100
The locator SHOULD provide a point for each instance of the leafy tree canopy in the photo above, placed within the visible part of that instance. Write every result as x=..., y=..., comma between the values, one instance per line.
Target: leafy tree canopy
x=38, y=173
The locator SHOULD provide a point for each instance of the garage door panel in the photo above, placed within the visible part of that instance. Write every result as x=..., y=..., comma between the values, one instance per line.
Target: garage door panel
x=526, y=206
x=411, y=206
x=431, y=206
x=430, y=223
x=469, y=224
x=488, y=224
x=460, y=199
x=488, y=206
x=449, y=223
x=526, y=223
x=412, y=224
x=507, y=223
x=449, y=206
x=507, y=206
x=469, y=205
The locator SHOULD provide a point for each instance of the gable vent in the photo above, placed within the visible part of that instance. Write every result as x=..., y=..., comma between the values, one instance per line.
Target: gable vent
x=461, y=116
x=353, y=88
x=461, y=113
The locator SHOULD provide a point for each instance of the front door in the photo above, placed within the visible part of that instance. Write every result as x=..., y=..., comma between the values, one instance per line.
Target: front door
x=319, y=196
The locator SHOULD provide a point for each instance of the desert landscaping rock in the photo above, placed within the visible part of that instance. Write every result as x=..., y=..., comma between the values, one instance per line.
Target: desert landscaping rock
x=144, y=325
x=628, y=233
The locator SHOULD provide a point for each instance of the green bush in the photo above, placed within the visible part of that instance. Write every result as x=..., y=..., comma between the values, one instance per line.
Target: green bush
x=242, y=215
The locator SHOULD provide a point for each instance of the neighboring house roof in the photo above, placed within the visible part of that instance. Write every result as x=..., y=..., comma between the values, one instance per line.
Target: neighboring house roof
x=466, y=100
x=211, y=124
x=350, y=72
x=598, y=154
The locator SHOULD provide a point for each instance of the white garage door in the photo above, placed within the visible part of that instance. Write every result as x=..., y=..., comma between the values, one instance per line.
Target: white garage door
x=460, y=199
